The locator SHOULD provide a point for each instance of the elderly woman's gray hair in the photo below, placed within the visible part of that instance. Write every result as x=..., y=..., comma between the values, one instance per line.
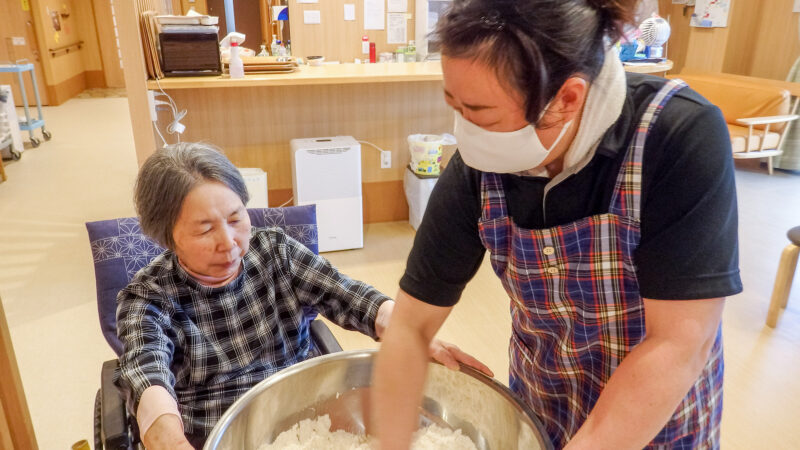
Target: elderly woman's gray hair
x=166, y=178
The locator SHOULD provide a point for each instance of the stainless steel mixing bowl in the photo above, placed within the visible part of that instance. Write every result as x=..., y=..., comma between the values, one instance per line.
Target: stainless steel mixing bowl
x=338, y=385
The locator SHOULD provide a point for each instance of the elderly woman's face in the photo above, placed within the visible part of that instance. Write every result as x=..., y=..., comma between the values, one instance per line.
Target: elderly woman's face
x=212, y=232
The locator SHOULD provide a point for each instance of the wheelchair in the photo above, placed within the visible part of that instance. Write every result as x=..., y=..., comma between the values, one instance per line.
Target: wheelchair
x=119, y=250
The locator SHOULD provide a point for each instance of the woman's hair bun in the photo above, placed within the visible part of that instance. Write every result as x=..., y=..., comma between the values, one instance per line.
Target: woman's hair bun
x=615, y=14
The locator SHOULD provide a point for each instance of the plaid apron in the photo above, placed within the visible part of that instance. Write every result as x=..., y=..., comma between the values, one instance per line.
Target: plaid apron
x=576, y=308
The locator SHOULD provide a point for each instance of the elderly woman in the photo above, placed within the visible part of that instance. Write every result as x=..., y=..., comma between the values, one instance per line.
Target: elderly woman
x=222, y=308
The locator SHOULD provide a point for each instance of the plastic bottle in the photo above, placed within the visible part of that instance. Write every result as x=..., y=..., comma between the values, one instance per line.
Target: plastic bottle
x=236, y=68
x=365, y=44
x=288, y=47
x=273, y=48
x=281, y=49
x=372, y=53
x=263, y=51
x=411, y=51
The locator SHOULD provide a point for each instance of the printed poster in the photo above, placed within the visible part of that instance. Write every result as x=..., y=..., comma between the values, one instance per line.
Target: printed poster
x=711, y=13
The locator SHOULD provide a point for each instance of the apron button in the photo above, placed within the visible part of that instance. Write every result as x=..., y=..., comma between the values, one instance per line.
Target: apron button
x=548, y=250
x=552, y=270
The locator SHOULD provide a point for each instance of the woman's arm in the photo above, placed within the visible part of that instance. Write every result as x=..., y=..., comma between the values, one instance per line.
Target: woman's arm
x=144, y=375
x=400, y=369
x=446, y=353
x=644, y=391
x=351, y=304
x=166, y=433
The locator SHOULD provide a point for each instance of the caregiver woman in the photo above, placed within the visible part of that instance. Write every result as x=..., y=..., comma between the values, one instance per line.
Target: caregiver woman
x=607, y=204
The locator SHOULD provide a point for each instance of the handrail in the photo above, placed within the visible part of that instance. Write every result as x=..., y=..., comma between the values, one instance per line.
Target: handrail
x=65, y=49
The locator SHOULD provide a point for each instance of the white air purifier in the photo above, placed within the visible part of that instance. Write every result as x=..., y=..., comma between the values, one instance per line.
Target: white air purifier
x=327, y=172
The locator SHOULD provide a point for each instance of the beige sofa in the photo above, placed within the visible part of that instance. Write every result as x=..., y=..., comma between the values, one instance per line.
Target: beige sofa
x=757, y=112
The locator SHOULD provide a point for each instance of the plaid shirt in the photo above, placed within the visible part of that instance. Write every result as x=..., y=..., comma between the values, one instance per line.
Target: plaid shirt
x=208, y=346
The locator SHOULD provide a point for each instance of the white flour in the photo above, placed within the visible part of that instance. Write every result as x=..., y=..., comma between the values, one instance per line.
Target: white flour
x=316, y=435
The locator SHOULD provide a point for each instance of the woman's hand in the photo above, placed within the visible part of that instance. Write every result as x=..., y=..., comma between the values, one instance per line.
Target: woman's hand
x=450, y=355
x=166, y=433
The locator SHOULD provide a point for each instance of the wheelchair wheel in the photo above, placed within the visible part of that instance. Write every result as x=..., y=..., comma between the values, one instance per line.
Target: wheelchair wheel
x=98, y=418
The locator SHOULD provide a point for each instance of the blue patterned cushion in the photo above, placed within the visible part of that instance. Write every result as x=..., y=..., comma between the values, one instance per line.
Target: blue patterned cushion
x=119, y=250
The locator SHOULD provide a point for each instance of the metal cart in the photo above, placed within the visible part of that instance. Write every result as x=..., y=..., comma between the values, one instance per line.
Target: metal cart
x=29, y=124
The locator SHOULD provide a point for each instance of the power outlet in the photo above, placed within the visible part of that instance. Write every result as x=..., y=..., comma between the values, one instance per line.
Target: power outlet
x=386, y=159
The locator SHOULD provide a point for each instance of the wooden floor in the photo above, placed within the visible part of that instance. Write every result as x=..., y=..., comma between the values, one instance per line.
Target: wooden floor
x=86, y=173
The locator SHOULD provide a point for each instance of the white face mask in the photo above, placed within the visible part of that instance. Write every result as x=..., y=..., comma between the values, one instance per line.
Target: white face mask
x=501, y=152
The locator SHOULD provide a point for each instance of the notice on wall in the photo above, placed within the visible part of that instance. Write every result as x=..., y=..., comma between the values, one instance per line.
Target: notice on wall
x=396, y=29
x=796, y=6
x=374, y=13
x=397, y=6
x=311, y=17
x=307, y=1
x=349, y=11
x=711, y=13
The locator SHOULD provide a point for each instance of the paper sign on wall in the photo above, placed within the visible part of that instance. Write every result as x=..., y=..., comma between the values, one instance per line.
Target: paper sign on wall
x=396, y=28
x=307, y=1
x=349, y=11
x=796, y=6
x=311, y=17
x=397, y=6
x=374, y=13
x=711, y=13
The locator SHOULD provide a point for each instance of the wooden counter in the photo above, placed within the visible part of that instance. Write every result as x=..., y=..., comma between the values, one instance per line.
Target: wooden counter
x=326, y=74
x=343, y=74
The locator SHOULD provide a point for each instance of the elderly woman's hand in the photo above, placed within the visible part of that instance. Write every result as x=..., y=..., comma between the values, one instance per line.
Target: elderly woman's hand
x=450, y=355
x=166, y=433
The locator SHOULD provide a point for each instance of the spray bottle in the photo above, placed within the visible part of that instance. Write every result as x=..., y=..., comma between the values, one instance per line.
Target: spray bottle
x=235, y=67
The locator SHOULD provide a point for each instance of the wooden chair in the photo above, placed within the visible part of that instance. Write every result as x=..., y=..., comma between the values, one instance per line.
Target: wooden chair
x=784, y=277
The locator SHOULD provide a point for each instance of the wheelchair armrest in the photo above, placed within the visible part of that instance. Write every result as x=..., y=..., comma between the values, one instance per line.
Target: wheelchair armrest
x=323, y=338
x=114, y=424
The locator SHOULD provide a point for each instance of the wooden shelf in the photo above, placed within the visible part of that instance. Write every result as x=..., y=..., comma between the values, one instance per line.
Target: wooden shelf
x=329, y=74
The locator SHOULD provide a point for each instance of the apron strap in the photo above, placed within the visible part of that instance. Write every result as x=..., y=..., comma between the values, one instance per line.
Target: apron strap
x=493, y=197
x=626, y=199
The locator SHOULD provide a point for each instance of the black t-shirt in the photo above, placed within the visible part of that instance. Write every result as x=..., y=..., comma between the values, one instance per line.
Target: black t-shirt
x=689, y=238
